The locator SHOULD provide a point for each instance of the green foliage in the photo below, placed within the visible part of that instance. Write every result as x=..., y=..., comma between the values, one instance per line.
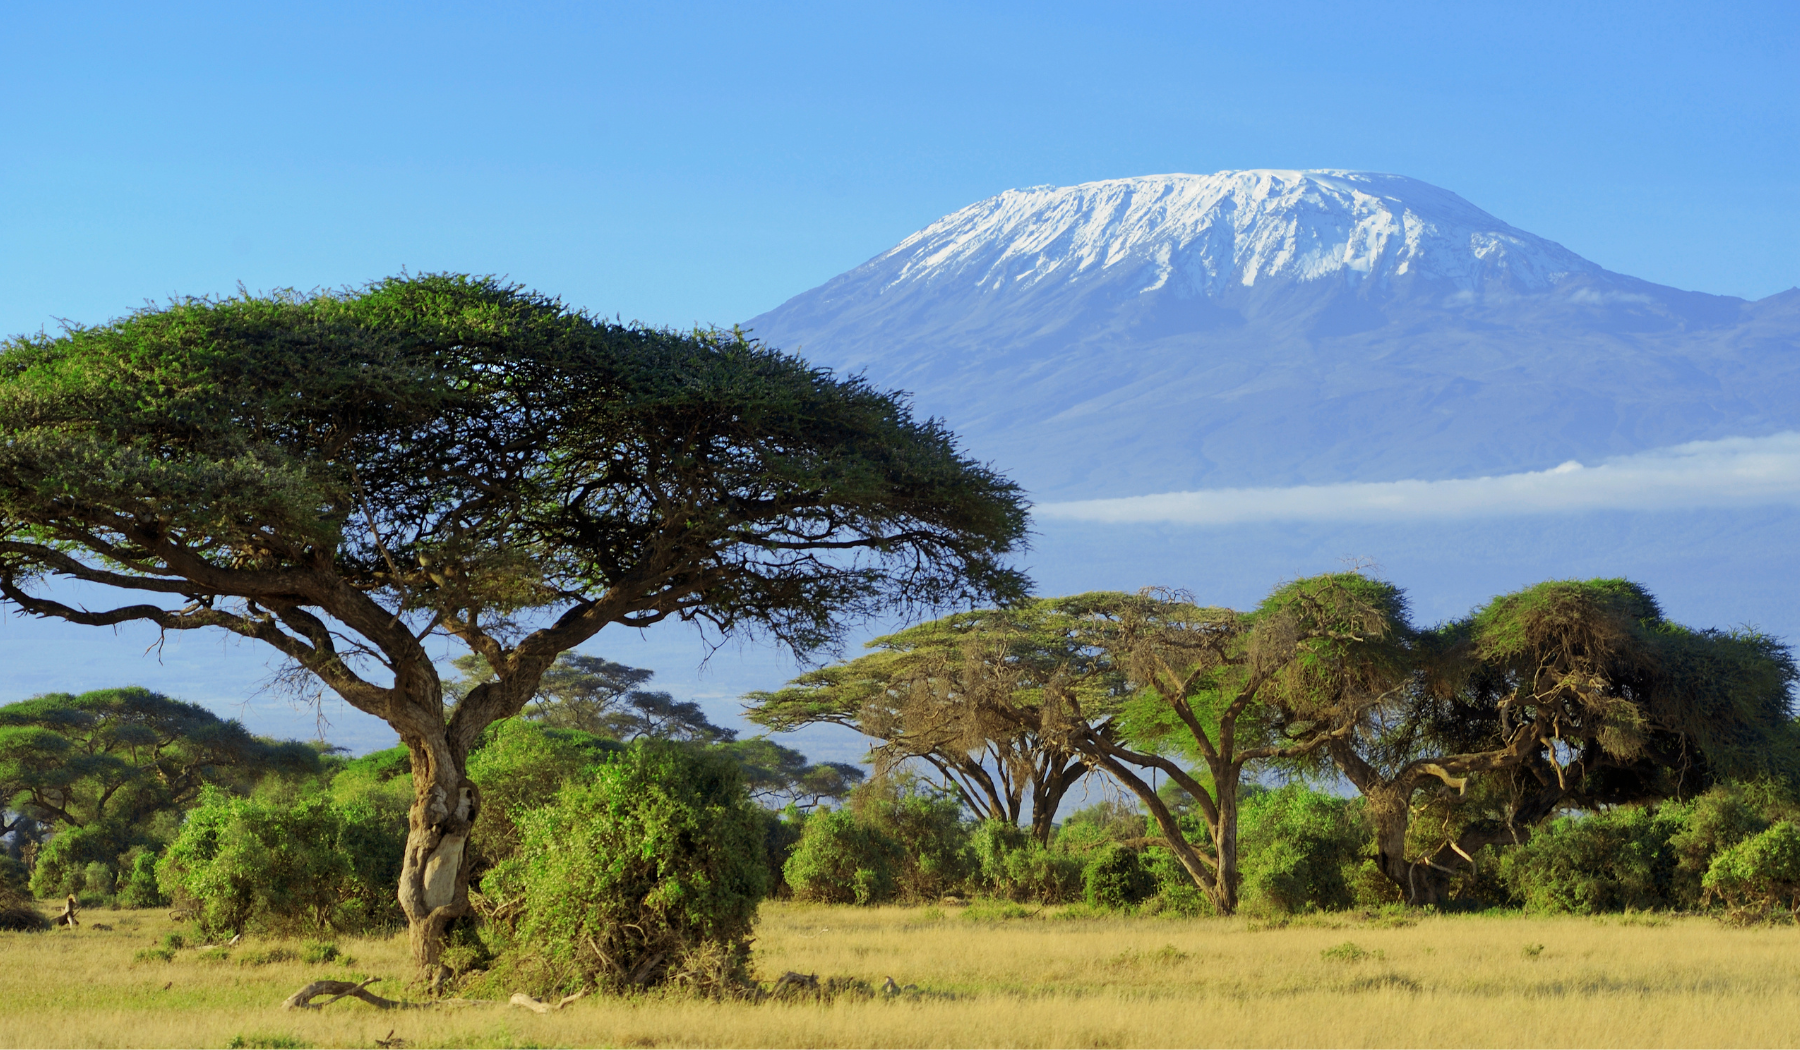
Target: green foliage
x=521, y=766
x=64, y=861
x=108, y=772
x=1348, y=952
x=1714, y=822
x=926, y=824
x=650, y=871
x=1595, y=863
x=137, y=885
x=842, y=859
x=1009, y=863
x=309, y=864
x=781, y=833
x=1761, y=873
x=1115, y=877
x=1300, y=850
x=1103, y=823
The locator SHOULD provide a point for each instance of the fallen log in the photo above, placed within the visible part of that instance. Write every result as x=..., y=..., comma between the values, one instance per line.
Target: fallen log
x=540, y=1007
x=303, y=999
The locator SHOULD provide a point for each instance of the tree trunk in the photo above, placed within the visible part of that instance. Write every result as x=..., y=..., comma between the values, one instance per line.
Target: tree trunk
x=434, y=874
x=1051, y=781
x=1225, y=837
x=1390, y=810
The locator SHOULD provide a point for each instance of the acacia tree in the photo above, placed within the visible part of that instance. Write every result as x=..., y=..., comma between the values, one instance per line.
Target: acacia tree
x=1221, y=691
x=1568, y=693
x=919, y=694
x=600, y=696
x=119, y=755
x=343, y=475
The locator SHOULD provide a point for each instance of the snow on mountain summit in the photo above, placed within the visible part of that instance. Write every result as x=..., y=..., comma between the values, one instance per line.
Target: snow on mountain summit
x=1206, y=232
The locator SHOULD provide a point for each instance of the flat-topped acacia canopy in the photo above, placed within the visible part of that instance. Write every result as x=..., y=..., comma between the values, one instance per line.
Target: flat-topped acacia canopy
x=343, y=474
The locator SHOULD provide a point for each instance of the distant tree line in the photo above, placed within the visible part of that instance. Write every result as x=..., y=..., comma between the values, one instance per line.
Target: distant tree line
x=1483, y=751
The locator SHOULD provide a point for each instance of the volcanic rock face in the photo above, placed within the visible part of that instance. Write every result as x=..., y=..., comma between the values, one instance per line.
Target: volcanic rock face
x=1177, y=332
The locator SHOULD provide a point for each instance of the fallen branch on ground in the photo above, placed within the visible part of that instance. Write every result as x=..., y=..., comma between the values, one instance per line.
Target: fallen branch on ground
x=302, y=999
x=538, y=1006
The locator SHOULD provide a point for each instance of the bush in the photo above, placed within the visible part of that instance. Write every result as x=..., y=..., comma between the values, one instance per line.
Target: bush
x=137, y=886
x=306, y=865
x=1760, y=874
x=1101, y=824
x=649, y=872
x=64, y=863
x=1007, y=862
x=926, y=823
x=1175, y=888
x=842, y=859
x=1299, y=849
x=1707, y=826
x=1115, y=877
x=97, y=879
x=1600, y=862
x=520, y=765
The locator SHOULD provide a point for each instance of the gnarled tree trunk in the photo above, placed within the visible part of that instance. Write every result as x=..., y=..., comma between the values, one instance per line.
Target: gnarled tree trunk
x=434, y=872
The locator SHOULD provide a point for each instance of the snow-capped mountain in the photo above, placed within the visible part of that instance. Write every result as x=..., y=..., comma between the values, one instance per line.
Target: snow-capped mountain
x=1256, y=328
x=1205, y=232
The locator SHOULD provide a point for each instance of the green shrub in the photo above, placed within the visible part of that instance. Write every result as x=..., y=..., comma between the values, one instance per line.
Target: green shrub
x=1099, y=825
x=1175, y=888
x=1299, y=849
x=1707, y=826
x=14, y=875
x=520, y=765
x=1760, y=874
x=926, y=824
x=781, y=833
x=842, y=859
x=137, y=886
x=1115, y=877
x=1007, y=862
x=1595, y=863
x=97, y=879
x=285, y=867
x=64, y=862
x=650, y=871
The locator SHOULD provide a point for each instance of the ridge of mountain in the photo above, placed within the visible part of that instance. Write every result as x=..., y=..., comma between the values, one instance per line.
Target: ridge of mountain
x=1178, y=332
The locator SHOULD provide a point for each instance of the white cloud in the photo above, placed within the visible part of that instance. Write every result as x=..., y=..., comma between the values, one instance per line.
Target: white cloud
x=1725, y=473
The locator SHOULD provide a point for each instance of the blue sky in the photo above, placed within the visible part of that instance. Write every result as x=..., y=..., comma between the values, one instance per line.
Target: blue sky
x=702, y=163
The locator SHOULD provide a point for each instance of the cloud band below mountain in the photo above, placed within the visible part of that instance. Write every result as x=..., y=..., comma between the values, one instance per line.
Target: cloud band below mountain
x=1724, y=473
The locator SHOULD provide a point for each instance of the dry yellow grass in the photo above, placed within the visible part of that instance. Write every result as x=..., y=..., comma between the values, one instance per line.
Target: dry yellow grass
x=1044, y=981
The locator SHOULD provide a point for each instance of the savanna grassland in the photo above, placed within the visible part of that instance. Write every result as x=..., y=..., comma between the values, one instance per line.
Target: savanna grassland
x=1011, y=977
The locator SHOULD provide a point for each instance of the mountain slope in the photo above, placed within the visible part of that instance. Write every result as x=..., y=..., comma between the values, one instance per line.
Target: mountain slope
x=1275, y=327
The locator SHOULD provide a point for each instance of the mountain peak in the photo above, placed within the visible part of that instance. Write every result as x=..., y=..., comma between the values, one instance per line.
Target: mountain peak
x=1203, y=234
